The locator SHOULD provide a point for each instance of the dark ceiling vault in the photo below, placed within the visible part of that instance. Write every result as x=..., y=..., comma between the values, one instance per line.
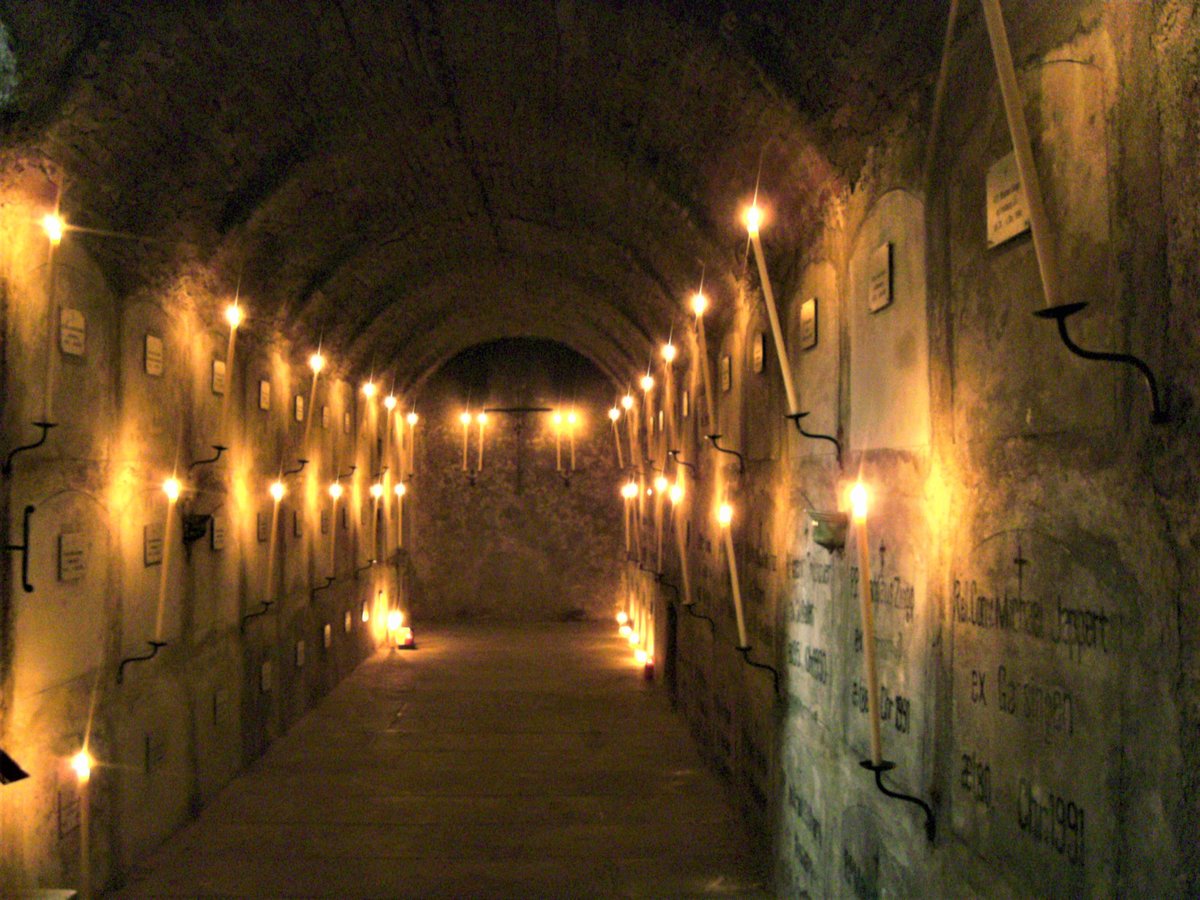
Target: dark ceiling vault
x=412, y=178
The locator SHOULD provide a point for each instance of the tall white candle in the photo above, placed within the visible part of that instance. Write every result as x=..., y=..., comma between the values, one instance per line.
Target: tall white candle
x=81, y=762
x=614, y=416
x=465, y=418
x=558, y=421
x=699, y=305
x=753, y=220
x=725, y=518
x=680, y=539
x=572, y=421
x=631, y=425
x=858, y=503
x=412, y=419
x=482, y=420
x=669, y=436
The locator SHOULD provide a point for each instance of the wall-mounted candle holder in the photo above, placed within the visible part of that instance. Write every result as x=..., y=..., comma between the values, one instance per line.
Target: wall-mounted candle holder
x=195, y=526
x=1062, y=312
x=714, y=440
x=10, y=771
x=363, y=568
x=829, y=529
x=329, y=580
x=674, y=454
x=378, y=476
x=812, y=435
x=212, y=459
x=262, y=611
x=347, y=473
x=296, y=471
x=155, y=646
x=887, y=766
x=8, y=460
x=23, y=549
x=745, y=651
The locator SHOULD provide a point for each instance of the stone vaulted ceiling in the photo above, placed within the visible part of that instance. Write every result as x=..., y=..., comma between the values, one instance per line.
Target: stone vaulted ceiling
x=409, y=179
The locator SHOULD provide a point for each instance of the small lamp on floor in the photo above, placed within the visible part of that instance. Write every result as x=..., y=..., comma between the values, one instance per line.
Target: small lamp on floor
x=401, y=635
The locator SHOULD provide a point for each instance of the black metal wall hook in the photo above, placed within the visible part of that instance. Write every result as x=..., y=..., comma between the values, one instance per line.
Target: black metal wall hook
x=212, y=459
x=745, y=651
x=8, y=461
x=886, y=766
x=378, y=475
x=266, y=607
x=155, y=646
x=1062, y=312
x=329, y=580
x=674, y=454
x=296, y=471
x=812, y=435
x=23, y=549
x=661, y=579
x=714, y=438
x=691, y=611
x=347, y=473
x=361, y=569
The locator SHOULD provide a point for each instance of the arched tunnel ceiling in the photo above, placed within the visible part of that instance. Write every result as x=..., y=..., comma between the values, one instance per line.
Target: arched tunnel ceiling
x=411, y=178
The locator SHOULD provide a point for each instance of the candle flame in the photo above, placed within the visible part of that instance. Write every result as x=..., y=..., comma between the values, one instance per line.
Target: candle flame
x=647, y=382
x=641, y=656
x=335, y=491
x=481, y=418
x=625, y=631
x=634, y=640
x=316, y=362
x=858, y=501
x=465, y=418
x=614, y=414
x=369, y=390
x=627, y=401
x=724, y=515
x=676, y=493
x=233, y=315
x=753, y=218
x=629, y=491
x=82, y=763
x=172, y=488
x=660, y=484
x=401, y=489
x=412, y=418
x=395, y=620
x=622, y=617
x=699, y=304
x=377, y=490
x=390, y=402
x=572, y=418
x=668, y=352
x=277, y=490
x=54, y=226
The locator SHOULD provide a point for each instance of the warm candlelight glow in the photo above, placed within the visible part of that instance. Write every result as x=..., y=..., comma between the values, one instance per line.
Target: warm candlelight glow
x=277, y=490
x=558, y=420
x=171, y=487
x=676, y=493
x=668, y=353
x=753, y=219
x=641, y=656
x=627, y=402
x=647, y=382
x=629, y=490
x=412, y=418
x=54, y=226
x=614, y=414
x=395, y=620
x=858, y=502
x=634, y=640
x=572, y=418
x=660, y=483
x=389, y=402
x=401, y=489
x=369, y=389
x=366, y=613
x=465, y=418
x=81, y=764
x=622, y=617
x=724, y=515
x=233, y=315
x=377, y=490
x=316, y=362
x=699, y=303
x=336, y=490
x=625, y=631
x=481, y=418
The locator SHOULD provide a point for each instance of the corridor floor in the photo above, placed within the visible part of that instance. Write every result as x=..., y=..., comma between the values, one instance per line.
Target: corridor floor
x=495, y=761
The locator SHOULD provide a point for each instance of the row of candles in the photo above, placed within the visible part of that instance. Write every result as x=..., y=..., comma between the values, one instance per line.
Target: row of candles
x=631, y=491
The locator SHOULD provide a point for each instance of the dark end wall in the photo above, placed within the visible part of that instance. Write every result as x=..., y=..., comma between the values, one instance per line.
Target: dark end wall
x=524, y=542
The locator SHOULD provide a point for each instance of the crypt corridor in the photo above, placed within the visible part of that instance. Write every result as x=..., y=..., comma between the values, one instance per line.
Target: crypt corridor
x=596, y=448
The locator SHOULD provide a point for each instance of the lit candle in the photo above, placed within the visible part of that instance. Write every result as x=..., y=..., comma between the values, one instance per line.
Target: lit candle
x=753, y=221
x=668, y=355
x=172, y=488
x=629, y=491
x=725, y=519
x=572, y=421
x=558, y=420
x=699, y=305
x=677, y=493
x=631, y=425
x=482, y=420
x=465, y=418
x=412, y=418
x=82, y=763
x=647, y=384
x=858, y=506
x=335, y=492
x=233, y=315
x=614, y=416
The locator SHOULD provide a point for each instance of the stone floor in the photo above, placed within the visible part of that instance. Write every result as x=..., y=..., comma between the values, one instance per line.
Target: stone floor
x=495, y=761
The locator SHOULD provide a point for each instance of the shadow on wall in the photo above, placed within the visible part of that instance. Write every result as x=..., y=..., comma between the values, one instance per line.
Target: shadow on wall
x=526, y=536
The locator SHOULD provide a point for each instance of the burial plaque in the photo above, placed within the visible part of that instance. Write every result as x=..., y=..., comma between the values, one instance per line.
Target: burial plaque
x=72, y=331
x=152, y=544
x=808, y=324
x=264, y=394
x=153, y=357
x=72, y=556
x=1006, y=213
x=879, y=278
x=218, y=376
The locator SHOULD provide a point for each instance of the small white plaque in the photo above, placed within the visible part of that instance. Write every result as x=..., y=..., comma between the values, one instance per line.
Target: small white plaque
x=299, y=654
x=879, y=282
x=218, y=532
x=154, y=355
x=1006, y=213
x=262, y=527
x=726, y=373
x=327, y=636
x=152, y=544
x=72, y=331
x=347, y=622
x=298, y=407
x=218, y=376
x=72, y=556
x=808, y=324
x=686, y=404
x=346, y=422
x=324, y=521
x=757, y=351
x=264, y=394
x=325, y=416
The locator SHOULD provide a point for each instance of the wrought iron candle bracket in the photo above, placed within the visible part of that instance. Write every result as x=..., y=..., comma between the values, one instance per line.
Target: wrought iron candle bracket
x=715, y=438
x=23, y=549
x=347, y=473
x=155, y=646
x=745, y=651
x=8, y=460
x=329, y=580
x=1062, y=312
x=212, y=459
x=378, y=475
x=691, y=611
x=674, y=454
x=657, y=574
x=266, y=608
x=886, y=766
x=814, y=436
x=296, y=471
x=361, y=569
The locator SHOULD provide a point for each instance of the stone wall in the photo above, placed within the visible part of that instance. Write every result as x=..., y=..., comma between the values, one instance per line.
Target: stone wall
x=135, y=389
